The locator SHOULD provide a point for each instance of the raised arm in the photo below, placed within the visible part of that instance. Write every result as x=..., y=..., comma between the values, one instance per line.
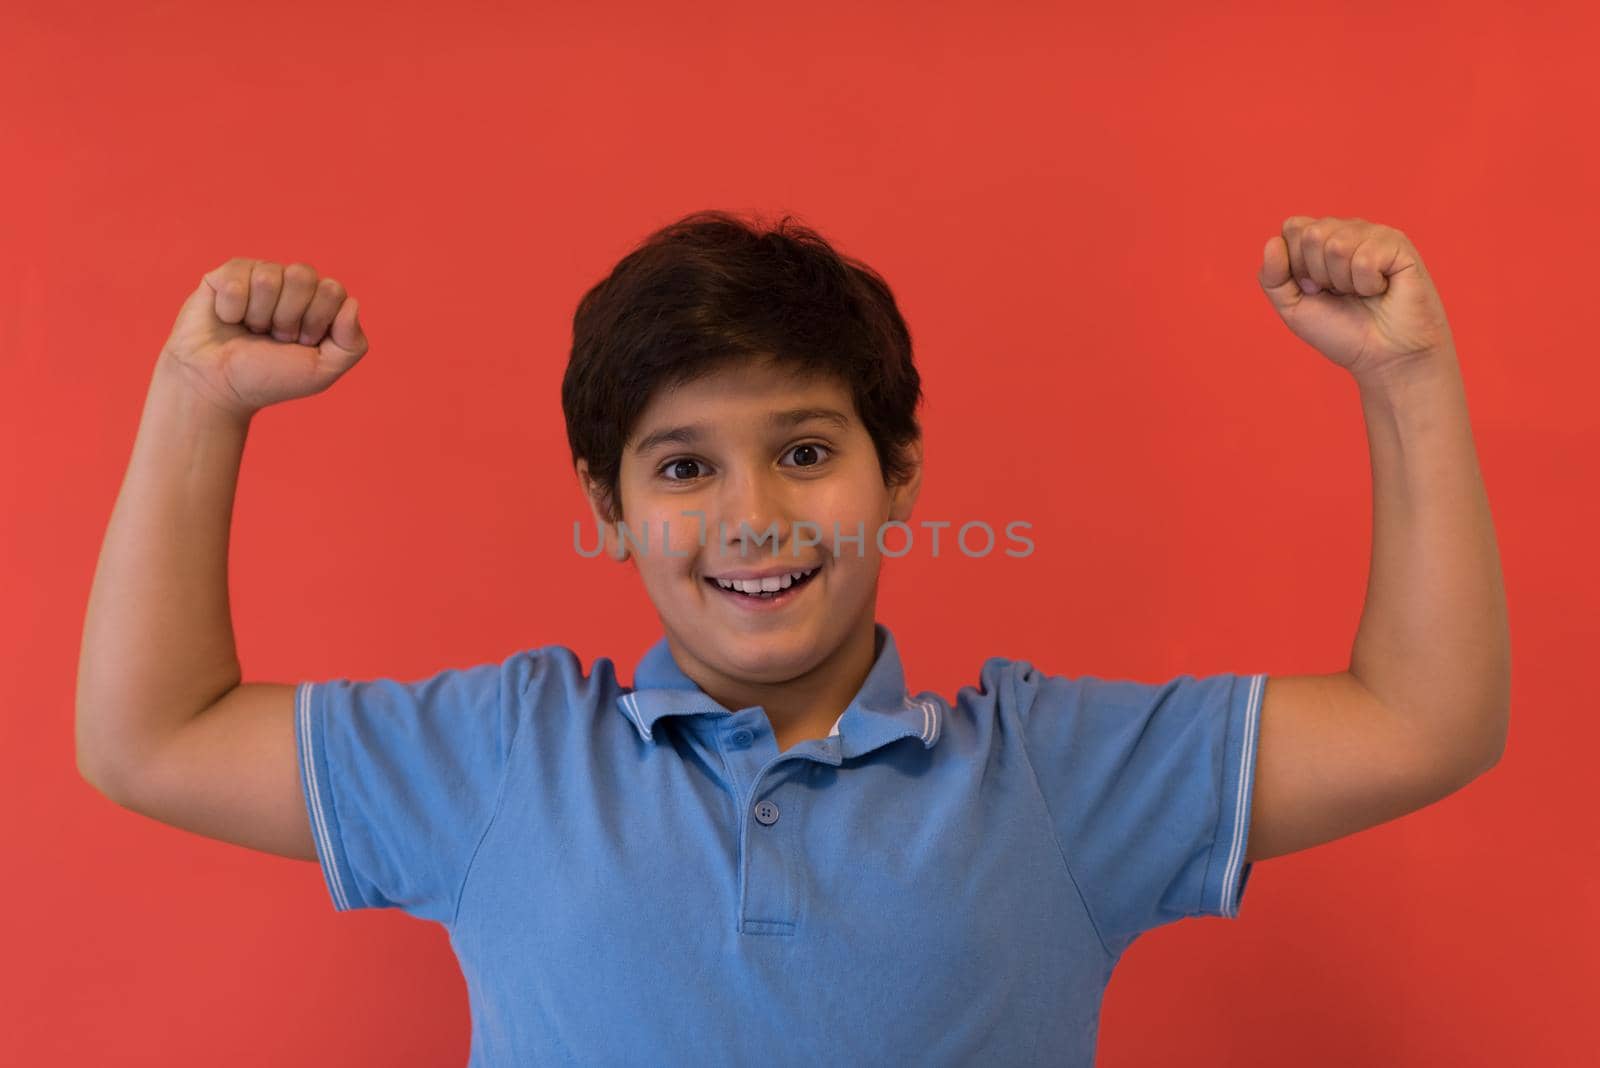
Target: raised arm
x=1424, y=707
x=163, y=724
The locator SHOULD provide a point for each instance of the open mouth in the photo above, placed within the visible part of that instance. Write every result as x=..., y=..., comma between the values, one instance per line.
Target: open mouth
x=750, y=591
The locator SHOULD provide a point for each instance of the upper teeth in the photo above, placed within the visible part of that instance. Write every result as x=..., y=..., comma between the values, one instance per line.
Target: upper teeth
x=766, y=585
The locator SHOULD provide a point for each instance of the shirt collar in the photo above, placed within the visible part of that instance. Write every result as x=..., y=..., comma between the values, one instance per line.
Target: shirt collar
x=881, y=712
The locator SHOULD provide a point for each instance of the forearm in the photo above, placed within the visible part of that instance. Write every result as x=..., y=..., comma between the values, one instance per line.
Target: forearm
x=1433, y=643
x=158, y=643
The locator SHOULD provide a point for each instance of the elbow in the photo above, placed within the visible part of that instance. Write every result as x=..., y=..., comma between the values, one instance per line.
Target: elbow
x=1499, y=749
x=95, y=775
x=99, y=772
x=1463, y=756
x=1495, y=747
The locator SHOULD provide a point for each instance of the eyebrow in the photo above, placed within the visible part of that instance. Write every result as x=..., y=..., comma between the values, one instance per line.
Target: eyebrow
x=694, y=432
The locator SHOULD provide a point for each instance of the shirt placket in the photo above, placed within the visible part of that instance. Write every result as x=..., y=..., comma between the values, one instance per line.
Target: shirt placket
x=769, y=812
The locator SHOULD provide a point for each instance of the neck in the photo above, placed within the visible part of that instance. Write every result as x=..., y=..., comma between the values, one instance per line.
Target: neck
x=807, y=705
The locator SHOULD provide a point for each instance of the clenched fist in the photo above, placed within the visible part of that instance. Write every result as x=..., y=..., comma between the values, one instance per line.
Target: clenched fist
x=254, y=333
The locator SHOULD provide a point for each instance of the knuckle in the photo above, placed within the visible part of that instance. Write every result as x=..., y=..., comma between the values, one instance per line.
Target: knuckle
x=300, y=271
x=331, y=286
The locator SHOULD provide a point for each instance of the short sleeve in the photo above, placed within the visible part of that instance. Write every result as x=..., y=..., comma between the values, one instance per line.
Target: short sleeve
x=401, y=780
x=1149, y=788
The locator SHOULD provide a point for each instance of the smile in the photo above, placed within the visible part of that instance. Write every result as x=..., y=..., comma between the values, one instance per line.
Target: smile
x=768, y=589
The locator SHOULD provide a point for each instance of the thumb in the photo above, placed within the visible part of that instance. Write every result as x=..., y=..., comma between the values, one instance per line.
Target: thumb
x=197, y=317
x=1274, y=275
x=346, y=341
x=203, y=299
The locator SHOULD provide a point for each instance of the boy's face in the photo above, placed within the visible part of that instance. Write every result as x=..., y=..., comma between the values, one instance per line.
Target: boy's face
x=743, y=461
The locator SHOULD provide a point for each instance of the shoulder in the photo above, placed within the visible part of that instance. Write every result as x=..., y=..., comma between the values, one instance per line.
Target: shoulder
x=1052, y=711
x=1016, y=685
x=1019, y=684
x=1007, y=691
x=557, y=675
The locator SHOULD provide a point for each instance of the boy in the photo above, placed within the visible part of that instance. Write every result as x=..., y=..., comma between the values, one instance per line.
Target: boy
x=767, y=849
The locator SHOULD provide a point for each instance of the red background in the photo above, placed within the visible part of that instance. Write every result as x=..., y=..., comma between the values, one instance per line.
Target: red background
x=1070, y=205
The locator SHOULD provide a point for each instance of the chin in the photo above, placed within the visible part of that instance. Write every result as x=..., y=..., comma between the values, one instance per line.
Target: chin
x=782, y=654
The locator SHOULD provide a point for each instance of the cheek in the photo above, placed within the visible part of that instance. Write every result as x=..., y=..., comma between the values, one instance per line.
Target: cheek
x=846, y=503
x=680, y=535
x=852, y=514
x=661, y=540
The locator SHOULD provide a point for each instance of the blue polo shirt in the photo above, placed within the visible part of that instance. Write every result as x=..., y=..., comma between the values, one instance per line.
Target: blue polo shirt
x=636, y=875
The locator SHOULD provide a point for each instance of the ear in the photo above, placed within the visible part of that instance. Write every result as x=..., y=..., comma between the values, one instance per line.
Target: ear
x=904, y=496
x=598, y=506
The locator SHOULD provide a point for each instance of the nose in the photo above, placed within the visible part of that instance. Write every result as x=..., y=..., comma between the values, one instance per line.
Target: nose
x=753, y=517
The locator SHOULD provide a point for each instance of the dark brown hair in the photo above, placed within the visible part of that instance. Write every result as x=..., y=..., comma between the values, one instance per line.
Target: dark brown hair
x=712, y=288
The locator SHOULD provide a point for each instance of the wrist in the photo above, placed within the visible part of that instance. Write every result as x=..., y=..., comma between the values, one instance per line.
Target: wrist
x=1420, y=373
x=186, y=392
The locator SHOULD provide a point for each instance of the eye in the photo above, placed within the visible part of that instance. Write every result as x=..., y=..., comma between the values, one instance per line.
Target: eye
x=811, y=447
x=685, y=469
x=674, y=465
